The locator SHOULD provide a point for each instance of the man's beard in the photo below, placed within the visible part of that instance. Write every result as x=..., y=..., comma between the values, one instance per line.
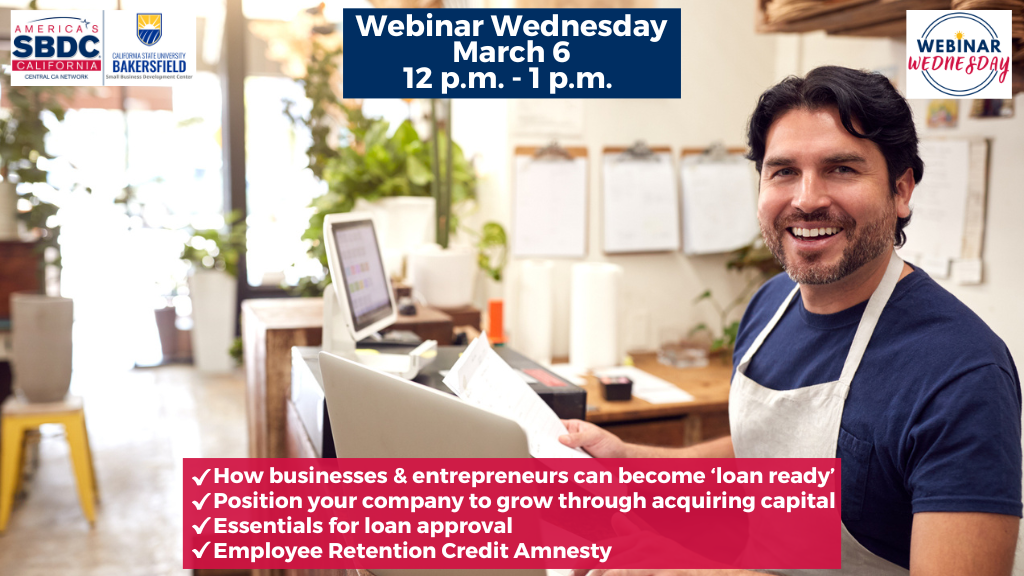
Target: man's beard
x=865, y=243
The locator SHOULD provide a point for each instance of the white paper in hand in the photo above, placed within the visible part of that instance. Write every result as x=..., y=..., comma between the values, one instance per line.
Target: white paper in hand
x=482, y=378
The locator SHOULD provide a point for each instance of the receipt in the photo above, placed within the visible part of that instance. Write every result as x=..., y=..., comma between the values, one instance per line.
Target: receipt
x=482, y=378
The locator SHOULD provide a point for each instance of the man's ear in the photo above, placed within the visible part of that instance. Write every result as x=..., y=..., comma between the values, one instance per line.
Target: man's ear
x=904, y=189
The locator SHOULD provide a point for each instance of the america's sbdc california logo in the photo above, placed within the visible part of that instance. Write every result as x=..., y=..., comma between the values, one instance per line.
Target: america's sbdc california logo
x=57, y=48
x=959, y=53
x=149, y=28
x=102, y=47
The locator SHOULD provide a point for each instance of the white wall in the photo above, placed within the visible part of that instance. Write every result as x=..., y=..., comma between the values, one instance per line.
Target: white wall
x=725, y=67
x=999, y=300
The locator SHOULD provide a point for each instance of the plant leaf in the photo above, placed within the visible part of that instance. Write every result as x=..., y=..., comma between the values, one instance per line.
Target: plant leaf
x=417, y=171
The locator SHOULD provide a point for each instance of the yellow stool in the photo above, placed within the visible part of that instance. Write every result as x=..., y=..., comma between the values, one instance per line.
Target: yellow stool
x=18, y=417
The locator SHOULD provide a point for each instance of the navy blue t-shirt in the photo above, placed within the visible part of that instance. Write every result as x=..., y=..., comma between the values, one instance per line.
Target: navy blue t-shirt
x=933, y=419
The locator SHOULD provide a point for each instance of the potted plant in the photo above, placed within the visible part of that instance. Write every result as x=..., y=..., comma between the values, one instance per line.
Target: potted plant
x=443, y=274
x=40, y=324
x=364, y=168
x=175, y=342
x=212, y=286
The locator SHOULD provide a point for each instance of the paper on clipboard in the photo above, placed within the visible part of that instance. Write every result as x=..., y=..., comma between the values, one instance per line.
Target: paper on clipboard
x=551, y=118
x=550, y=207
x=482, y=378
x=641, y=204
x=719, y=204
x=939, y=204
x=966, y=271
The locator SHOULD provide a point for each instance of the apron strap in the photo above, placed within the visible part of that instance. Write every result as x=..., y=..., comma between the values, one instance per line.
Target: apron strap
x=869, y=320
x=767, y=329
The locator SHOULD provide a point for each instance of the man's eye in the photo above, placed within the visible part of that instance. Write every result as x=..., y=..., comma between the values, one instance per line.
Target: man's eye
x=783, y=172
x=845, y=170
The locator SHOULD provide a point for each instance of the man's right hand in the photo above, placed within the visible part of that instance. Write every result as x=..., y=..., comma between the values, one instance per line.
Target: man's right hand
x=601, y=443
x=597, y=441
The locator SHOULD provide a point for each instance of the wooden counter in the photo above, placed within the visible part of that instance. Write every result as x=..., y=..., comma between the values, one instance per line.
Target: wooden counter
x=677, y=424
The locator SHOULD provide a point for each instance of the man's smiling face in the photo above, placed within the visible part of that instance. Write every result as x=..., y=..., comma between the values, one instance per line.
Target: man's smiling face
x=825, y=204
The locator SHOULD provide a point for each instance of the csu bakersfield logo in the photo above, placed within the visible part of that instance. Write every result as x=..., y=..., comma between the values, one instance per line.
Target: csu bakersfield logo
x=149, y=28
x=959, y=53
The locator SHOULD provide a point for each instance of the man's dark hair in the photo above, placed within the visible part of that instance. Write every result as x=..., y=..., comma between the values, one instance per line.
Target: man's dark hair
x=867, y=97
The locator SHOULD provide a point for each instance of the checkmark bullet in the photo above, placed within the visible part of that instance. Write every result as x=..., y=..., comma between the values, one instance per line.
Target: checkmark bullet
x=199, y=505
x=199, y=553
x=199, y=480
x=199, y=528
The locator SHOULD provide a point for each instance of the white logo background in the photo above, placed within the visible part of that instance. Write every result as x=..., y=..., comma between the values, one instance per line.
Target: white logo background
x=976, y=25
x=117, y=35
x=23, y=18
x=179, y=35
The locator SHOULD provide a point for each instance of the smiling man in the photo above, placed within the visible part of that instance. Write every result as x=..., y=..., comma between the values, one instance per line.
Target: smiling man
x=857, y=355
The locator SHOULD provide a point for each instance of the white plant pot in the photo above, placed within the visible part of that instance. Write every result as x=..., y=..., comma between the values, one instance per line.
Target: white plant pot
x=41, y=346
x=444, y=278
x=403, y=223
x=9, y=211
x=213, y=295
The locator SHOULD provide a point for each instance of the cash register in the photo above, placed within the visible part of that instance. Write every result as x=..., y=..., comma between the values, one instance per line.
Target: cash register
x=358, y=304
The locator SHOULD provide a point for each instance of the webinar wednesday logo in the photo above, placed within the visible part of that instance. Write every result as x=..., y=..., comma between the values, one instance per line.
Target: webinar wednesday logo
x=959, y=54
x=102, y=48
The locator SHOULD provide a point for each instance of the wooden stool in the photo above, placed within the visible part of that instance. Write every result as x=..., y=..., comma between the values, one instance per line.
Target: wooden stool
x=17, y=417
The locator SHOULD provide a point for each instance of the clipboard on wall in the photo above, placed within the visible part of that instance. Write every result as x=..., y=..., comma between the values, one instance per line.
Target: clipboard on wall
x=947, y=237
x=641, y=200
x=719, y=200
x=549, y=202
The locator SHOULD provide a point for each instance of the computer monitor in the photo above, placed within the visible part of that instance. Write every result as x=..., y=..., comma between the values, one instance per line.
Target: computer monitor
x=361, y=302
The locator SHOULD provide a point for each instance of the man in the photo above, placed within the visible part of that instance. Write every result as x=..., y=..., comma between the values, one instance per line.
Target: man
x=857, y=355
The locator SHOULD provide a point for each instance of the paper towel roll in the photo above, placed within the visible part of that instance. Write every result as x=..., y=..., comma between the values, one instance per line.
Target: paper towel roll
x=536, y=310
x=594, y=315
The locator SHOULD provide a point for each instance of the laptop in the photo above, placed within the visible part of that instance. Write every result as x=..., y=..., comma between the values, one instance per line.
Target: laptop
x=377, y=415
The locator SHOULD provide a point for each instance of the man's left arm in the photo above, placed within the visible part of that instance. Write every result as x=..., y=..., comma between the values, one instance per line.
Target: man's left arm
x=973, y=543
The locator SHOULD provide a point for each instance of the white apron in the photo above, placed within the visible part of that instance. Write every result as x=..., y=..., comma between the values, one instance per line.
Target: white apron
x=804, y=423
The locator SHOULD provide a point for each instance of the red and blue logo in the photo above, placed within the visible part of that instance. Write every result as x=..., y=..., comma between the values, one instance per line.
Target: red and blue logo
x=56, y=43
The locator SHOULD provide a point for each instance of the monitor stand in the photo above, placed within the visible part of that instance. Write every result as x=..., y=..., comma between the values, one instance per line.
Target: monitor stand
x=391, y=338
x=337, y=339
